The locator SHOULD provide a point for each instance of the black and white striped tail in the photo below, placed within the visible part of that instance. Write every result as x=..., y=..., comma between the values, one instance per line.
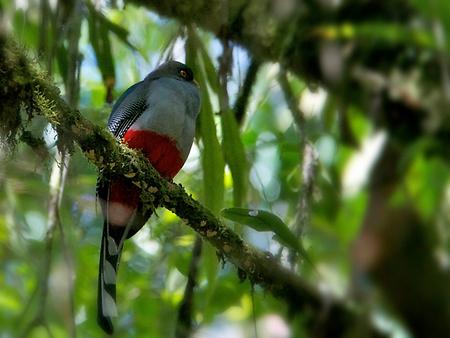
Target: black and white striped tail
x=109, y=263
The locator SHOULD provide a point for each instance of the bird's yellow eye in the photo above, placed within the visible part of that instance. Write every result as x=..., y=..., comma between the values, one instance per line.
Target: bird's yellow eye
x=183, y=73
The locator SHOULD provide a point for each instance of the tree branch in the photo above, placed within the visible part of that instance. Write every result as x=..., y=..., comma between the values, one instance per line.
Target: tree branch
x=40, y=97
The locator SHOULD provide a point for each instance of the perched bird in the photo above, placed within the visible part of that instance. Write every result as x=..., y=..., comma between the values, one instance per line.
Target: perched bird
x=156, y=115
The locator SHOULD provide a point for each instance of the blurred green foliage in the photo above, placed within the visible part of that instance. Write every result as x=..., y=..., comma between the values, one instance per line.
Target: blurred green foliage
x=255, y=165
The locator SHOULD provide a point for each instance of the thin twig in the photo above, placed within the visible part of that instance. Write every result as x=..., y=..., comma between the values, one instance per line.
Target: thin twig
x=255, y=327
x=240, y=106
x=55, y=193
x=57, y=178
x=439, y=35
x=225, y=62
x=68, y=257
x=73, y=94
x=308, y=162
x=185, y=311
x=292, y=103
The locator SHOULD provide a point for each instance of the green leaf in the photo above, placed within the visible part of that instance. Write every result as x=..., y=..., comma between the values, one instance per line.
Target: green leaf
x=9, y=301
x=235, y=157
x=61, y=56
x=210, y=70
x=120, y=32
x=232, y=146
x=211, y=160
x=211, y=154
x=262, y=220
x=99, y=38
x=27, y=31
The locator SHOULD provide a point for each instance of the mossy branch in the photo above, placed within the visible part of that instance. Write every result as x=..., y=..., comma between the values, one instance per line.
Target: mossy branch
x=41, y=97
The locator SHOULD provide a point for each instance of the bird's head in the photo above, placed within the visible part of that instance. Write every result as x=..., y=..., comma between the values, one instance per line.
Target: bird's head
x=173, y=69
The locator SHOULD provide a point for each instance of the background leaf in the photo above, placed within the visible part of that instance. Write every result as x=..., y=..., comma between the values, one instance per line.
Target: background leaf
x=235, y=156
x=262, y=220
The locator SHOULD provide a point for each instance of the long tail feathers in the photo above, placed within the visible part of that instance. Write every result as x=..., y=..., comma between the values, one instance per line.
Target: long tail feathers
x=109, y=262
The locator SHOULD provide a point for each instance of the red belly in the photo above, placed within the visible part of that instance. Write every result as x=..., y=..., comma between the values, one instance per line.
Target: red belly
x=160, y=150
x=162, y=153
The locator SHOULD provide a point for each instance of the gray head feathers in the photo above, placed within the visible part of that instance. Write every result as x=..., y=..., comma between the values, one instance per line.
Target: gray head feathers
x=172, y=69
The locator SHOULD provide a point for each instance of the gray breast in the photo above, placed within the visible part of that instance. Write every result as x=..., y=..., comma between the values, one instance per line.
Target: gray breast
x=172, y=107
